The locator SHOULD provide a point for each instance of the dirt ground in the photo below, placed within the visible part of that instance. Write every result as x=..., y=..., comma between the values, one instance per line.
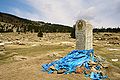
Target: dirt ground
x=25, y=53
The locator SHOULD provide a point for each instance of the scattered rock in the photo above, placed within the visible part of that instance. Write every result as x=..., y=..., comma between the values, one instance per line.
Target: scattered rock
x=105, y=65
x=14, y=53
x=2, y=53
x=61, y=71
x=20, y=43
x=93, y=69
x=113, y=42
x=8, y=43
x=52, y=67
x=34, y=45
x=92, y=62
x=2, y=46
x=114, y=60
x=67, y=44
x=54, y=55
x=19, y=58
x=80, y=69
x=57, y=55
x=113, y=49
x=100, y=59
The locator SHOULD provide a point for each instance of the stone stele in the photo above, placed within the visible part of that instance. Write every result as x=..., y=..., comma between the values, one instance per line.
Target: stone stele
x=84, y=35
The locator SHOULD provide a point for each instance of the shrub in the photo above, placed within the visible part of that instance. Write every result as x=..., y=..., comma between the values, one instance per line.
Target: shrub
x=40, y=34
x=73, y=33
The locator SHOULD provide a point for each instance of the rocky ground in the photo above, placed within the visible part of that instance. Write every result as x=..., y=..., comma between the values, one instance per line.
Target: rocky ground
x=25, y=53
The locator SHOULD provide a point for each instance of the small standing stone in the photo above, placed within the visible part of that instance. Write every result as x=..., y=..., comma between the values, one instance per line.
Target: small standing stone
x=84, y=35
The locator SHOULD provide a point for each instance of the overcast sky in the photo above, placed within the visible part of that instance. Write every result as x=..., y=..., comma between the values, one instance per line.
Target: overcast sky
x=99, y=13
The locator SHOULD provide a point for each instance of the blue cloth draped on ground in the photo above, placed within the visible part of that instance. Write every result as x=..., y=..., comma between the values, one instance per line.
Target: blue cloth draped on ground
x=72, y=60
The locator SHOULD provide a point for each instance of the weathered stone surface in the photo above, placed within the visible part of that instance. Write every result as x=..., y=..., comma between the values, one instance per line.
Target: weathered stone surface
x=84, y=35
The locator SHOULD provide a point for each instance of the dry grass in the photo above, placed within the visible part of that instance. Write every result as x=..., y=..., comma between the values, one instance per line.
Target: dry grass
x=30, y=69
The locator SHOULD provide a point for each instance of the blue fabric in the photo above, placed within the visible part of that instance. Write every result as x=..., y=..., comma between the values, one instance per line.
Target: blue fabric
x=97, y=67
x=97, y=76
x=72, y=60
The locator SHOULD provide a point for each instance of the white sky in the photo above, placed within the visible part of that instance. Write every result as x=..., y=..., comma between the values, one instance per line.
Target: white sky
x=99, y=13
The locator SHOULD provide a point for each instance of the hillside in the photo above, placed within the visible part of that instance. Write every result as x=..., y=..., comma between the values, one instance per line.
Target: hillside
x=12, y=23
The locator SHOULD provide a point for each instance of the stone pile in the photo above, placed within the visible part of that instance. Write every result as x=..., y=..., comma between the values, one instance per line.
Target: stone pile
x=79, y=61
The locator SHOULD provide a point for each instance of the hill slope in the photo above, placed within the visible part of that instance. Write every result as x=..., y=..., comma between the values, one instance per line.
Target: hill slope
x=11, y=23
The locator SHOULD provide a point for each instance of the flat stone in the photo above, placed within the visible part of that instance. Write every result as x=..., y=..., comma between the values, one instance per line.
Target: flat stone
x=52, y=67
x=19, y=58
x=61, y=71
